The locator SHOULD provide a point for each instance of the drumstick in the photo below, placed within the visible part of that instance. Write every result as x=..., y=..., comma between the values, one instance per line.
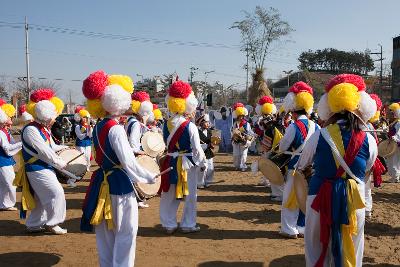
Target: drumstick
x=75, y=158
x=165, y=171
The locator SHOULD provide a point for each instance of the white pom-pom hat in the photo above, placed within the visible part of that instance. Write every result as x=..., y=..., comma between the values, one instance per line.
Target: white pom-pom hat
x=141, y=103
x=300, y=97
x=239, y=109
x=180, y=98
x=265, y=106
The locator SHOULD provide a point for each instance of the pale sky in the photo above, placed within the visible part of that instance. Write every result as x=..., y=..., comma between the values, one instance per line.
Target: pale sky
x=346, y=25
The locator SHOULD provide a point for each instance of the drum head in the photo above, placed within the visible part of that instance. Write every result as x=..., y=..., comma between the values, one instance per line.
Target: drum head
x=78, y=166
x=300, y=189
x=386, y=148
x=270, y=171
x=149, y=163
x=153, y=144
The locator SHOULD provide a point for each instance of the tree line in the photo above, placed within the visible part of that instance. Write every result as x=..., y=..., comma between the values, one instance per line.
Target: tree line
x=336, y=61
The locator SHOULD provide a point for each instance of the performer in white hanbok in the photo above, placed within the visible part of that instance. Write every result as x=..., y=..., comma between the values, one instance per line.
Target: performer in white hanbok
x=185, y=155
x=47, y=203
x=340, y=153
x=300, y=102
x=206, y=175
x=110, y=203
x=242, y=135
x=8, y=148
x=393, y=161
x=155, y=122
x=83, y=132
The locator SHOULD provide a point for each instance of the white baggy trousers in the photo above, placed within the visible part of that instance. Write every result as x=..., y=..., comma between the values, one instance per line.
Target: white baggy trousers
x=117, y=247
x=169, y=204
x=289, y=216
x=87, y=150
x=313, y=246
x=239, y=156
x=8, y=193
x=49, y=197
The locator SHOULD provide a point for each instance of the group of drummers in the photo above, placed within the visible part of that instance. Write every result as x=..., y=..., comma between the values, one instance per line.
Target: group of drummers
x=321, y=171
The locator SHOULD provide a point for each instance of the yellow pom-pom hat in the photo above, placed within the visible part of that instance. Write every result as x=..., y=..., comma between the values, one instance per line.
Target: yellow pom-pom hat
x=44, y=106
x=180, y=98
x=107, y=94
x=81, y=112
x=265, y=106
x=7, y=111
x=141, y=103
x=157, y=113
x=238, y=109
x=395, y=108
x=300, y=97
x=346, y=92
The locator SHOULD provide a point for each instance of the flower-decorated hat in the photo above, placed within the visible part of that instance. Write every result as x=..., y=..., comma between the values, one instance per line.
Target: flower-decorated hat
x=81, y=112
x=395, y=108
x=239, y=109
x=266, y=106
x=346, y=92
x=141, y=103
x=378, y=103
x=157, y=113
x=44, y=106
x=23, y=114
x=180, y=98
x=107, y=94
x=300, y=97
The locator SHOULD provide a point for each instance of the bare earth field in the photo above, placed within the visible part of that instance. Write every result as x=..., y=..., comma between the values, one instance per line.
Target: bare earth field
x=239, y=228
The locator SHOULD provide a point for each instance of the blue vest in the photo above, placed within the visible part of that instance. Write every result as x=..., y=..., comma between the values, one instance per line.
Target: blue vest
x=131, y=122
x=38, y=164
x=85, y=141
x=324, y=164
x=184, y=147
x=118, y=181
x=297, y=141
x=6, y=160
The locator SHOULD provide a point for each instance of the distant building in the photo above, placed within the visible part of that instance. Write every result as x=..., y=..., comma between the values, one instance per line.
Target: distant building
x=396, y=69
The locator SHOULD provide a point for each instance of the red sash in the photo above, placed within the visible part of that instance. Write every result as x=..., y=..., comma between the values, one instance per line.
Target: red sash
x=302, y=128
x=41, y=129
x=166, y=163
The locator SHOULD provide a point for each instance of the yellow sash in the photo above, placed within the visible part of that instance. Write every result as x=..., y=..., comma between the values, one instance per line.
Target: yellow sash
x=104, y=208
x=21, y=180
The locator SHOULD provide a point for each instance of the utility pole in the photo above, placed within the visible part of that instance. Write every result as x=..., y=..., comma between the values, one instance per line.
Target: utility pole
x=28, y=76
x=192, y=73
x=381, y=71
x=247, y=72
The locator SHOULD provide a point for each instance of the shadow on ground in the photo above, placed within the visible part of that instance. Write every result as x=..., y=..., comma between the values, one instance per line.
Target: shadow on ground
x=289, y=260
x=254, y=216
x=29, y=259
x=230, y=264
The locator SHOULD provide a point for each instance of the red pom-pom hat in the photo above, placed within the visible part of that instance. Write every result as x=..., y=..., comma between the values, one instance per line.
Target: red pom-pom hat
x=180, y=89
x=237, y=105
x=265, y=99
x=155, y=106
x=2, y=102
x=42, y=94
x=21, y=109
x=140, y=96
x=356, y=80
x=301, y=87
x=93, y=86
x=79, y=108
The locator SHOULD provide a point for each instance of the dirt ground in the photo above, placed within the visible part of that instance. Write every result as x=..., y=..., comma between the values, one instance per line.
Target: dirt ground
x=239, y=227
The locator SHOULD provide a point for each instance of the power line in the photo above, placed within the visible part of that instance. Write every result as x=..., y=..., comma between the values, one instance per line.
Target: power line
x=112, y=36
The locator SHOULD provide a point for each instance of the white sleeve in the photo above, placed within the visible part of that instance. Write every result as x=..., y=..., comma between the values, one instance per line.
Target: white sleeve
x=396, y=136
x=33, y=138
x=249, y=129
x=79, y=133
x=134, y=138
x=373, y=152
x=197, y=150
x=288, y=138
x=307, y=155
x=120, y=145
x=9, y=148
